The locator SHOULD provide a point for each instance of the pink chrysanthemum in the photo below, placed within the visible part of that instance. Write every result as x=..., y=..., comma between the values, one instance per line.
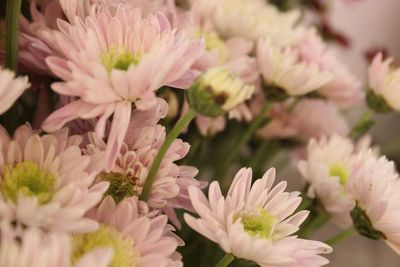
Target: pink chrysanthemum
x=135, y=159
x=137, y=240
x=374, y=187
x=33, y=248
x=46, y=182
x=114, y=63
x=255, y=222
x=11, y=88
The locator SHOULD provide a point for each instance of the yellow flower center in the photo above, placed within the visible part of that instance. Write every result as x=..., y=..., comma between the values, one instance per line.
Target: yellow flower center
x=260, y=224
x=214, y=43
x=27, y=179
x=121, y=186
x=339, y=170
x=125, y=254
x=119, y=58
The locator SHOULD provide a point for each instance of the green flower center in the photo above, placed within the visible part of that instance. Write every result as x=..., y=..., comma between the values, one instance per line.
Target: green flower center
x=214, y=43
x=119, y=58
x=27, y=179
x=121, y=186
x=339, y=170
x=260, y=224
x=125, y=254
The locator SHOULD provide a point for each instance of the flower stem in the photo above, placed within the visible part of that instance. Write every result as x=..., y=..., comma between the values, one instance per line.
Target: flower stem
x=341, y=236
x=243, y=140
x=225, y=261
x=13, y=10
x=316, y=223
x=173, y=134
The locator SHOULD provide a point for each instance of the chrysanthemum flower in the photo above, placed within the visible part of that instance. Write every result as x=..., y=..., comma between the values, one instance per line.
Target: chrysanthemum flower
x=384, y=84
x=252, y=19
x=137, y=240
x=344, y=89
x=255, y=222
x=309, y=118
x=46, y=182
x=327, y=169
x=11, y=88
x=374, y=188
x=282, y=69
x=114, y=63
x=33, y=248
x=136, y=157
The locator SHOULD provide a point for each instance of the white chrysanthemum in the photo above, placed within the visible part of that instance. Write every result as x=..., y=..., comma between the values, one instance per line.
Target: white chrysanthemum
x=46, y=182
x=10, y=88
x=384, y=82
x=327, y=169
x=256, y=222
x=280, y=67
x=374, y=188
x=33, y=248
x=251, y=19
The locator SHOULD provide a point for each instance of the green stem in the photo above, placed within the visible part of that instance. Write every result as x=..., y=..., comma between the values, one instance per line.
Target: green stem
x=225, y=261
x=179, y=126
x=341, y=236
x=316, y=223
x=243, y=140
x=13, y=10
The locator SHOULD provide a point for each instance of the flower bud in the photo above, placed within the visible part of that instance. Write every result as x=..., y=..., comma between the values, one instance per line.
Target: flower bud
x=218, y=91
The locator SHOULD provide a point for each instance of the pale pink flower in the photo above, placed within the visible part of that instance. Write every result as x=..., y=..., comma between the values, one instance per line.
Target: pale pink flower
x=373, y=186
x=33, y=49
x=326, y=170
x=344, y=89
x=114, y=63
x=309, y=118
x=33, y=248
x=46, y=182
x=11, y=88
x=228, y=221
x=282, y=69
x=134, y=160
x=148, y=239
x=384, y=80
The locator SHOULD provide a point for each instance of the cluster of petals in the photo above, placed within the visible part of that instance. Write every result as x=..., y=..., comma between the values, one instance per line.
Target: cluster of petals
x=384, y=80
x=222, y=221
x=111, y=64
x=69, y=190
x=11, y=88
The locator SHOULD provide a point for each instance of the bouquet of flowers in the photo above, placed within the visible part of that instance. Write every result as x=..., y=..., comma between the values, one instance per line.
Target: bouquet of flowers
x=118, y=115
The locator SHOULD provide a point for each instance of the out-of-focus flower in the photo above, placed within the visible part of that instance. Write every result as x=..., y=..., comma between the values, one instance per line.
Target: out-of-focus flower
x=136, y=157
x=308, y=118
x=327, y=169
x=46, y=182
x=218, y=91
x=373, y=186
x=33, y=248
x=11, y=88
x=384, y=85
x=251, y=19
x=283, y=70
x=256, y=222
x=111, y=63
x=137, y=240
x=343, y=89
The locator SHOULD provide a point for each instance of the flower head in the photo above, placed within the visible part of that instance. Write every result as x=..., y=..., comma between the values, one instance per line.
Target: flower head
x=218, y=91
x=255, y=222
x=11, y=88
x=282, y=69
x=46, y=182
x=111, y=63
x=384, y=85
